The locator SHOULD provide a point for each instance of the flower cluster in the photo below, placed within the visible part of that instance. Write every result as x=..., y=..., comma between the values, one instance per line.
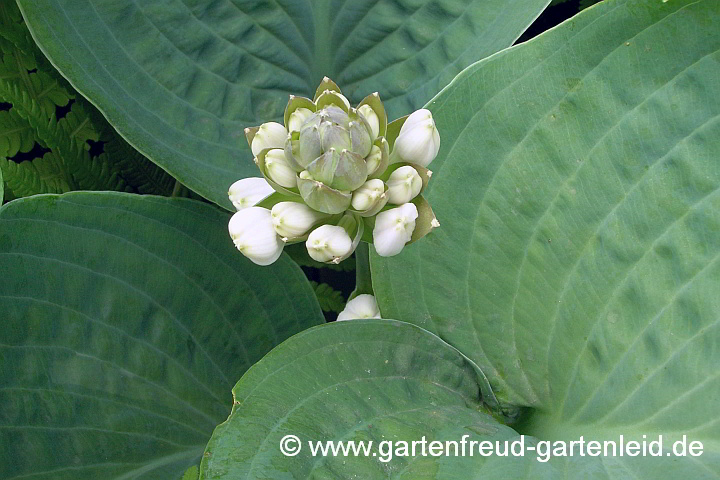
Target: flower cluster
x=334, y=176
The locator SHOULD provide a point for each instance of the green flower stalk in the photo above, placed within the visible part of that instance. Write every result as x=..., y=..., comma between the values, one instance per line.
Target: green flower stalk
x=330, y=179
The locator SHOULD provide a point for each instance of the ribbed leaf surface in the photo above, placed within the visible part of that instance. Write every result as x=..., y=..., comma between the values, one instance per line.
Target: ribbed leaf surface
x=181, y=79
x=578, y=191
x=125, y=322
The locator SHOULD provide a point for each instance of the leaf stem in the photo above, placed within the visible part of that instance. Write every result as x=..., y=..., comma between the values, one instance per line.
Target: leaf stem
x=363, y=279
x=179, y=190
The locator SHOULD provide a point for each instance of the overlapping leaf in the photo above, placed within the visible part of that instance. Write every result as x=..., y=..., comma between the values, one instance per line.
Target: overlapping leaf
x=180, y=80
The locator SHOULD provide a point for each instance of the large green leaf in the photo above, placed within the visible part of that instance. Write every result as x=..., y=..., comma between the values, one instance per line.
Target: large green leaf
x=181, y=79
x=359, y=380
x=125, y=322
x=578, y=189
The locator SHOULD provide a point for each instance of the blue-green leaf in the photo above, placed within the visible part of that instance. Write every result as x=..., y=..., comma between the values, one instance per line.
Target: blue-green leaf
x=578, y=258
x=125, y=322
x=180, y=80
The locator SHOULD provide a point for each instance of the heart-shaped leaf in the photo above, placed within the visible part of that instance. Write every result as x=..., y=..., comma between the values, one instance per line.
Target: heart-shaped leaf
x=125, y=322
x=578, y=259
x=180, y=80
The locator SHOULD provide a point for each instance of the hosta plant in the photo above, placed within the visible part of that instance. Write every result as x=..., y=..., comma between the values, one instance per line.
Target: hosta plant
x=571, y=292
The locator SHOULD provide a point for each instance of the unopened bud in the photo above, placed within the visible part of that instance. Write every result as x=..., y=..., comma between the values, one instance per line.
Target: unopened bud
x=368, y=195
x=419, y=140
x=362, y=306
x=328, y=242
x=404, y=184
x=278, y=168
x=298, y=118
x=251, y=229
x=360, y=139
x=372, y=119
x=393, y=229
x=269, y=135
x=309, y=145
x=372, y=161
x=334, y=136
x=292, y=219
x=248, y=192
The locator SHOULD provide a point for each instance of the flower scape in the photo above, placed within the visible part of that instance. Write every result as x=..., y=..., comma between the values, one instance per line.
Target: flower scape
x=334, y=176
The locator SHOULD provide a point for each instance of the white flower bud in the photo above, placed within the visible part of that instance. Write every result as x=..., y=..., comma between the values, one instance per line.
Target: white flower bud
x=368, y=195
x=404, y=184
x=328, y=242
x=251, y=229
x=298, y=118
x=362, y=306
x=372, y=119
x=372, y=161
x=278, y=168
x=393, y=229
x=248, y=192
x=269, y=135
x=419, y=140
x=292, y=219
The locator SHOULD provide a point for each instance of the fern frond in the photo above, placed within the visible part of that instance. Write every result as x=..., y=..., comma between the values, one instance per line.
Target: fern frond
x=19, y=63
x=39, y=86
x=13, y=28
x=78, y=125
x=42, y=175
x=16, y=134
x=35, y=89
x=140, y=173
x=330, y=299
x=120, y=168
x=14, y=64
x=67, y=139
